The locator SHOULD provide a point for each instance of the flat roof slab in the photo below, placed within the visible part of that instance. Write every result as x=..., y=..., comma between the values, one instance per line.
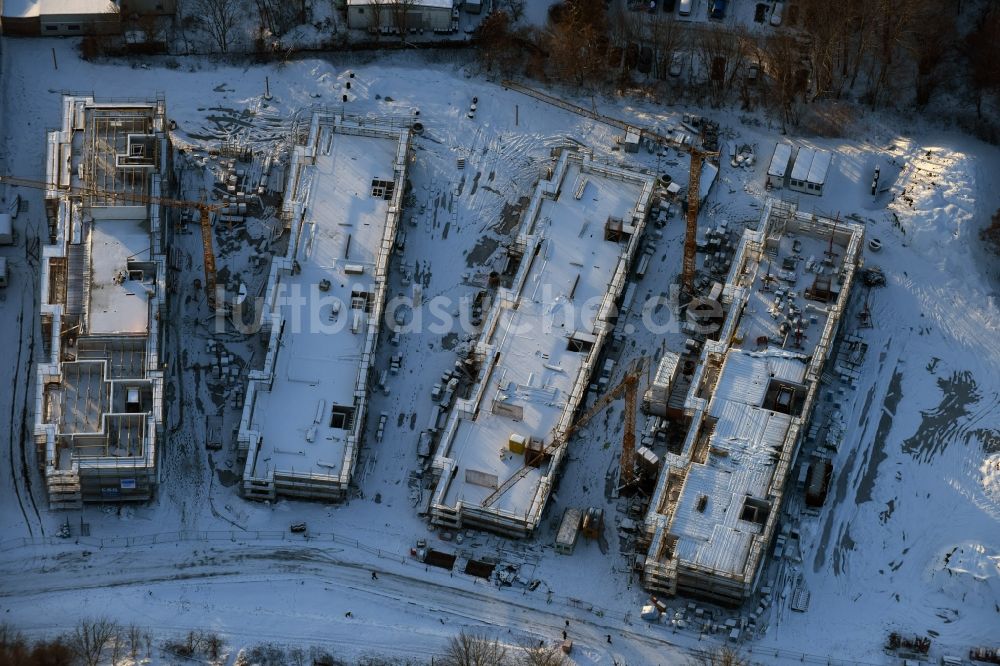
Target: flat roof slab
x=321, y=346
x=118, y=305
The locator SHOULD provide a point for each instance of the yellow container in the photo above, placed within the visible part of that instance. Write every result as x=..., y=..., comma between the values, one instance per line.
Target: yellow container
x=516, y=443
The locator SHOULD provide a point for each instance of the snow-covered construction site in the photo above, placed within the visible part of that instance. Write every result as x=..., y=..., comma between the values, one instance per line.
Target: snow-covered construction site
x=718, y=502
x=503, y=447
x=349, y=356
x=305, y=410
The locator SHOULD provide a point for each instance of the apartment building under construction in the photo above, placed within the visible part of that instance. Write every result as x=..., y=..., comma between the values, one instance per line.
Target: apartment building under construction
x=99, y=404
x=718, y=502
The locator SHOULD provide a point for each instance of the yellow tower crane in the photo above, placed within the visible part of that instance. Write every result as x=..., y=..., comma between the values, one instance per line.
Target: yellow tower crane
x=204, y=209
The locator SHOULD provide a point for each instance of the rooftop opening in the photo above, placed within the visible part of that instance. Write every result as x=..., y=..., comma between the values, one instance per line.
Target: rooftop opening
x=342, y=417
x=755, y=510
x=785, y=397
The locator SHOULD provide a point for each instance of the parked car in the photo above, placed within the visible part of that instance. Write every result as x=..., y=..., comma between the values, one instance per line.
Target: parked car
x=776, y=12
x=669, y=5
x=717, y=9
x=684, y=9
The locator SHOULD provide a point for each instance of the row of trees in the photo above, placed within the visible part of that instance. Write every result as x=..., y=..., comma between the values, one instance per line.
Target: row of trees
x=471, y=649
x=881, y=52
x=90, y=643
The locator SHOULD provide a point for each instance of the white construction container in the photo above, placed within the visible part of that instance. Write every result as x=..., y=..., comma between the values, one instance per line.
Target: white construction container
x=777, y=171
x=569, y=531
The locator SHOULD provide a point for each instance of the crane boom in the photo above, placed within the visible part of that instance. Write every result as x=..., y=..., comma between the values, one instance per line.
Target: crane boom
x=627, y=386
x=204, y=209
x=690, y=234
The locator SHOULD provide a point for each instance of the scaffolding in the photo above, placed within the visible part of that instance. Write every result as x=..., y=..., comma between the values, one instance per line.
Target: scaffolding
x=99, y=403
x=712, y=554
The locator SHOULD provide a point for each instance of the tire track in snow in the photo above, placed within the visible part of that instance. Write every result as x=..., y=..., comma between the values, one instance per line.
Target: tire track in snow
x=11, y=438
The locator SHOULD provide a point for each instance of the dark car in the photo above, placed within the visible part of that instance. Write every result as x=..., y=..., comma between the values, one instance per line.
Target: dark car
x=668, y=5
x=717, y=9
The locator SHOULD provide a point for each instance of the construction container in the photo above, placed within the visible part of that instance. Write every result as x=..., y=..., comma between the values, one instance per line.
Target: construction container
x=516, y=443
x=649, y=462
x=650, y=613
x=818, y=481
x=569, y=531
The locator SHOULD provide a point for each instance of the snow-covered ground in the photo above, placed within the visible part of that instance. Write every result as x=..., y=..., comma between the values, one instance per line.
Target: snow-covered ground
x=907, y=541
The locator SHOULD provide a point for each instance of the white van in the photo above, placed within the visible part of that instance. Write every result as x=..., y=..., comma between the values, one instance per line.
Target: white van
x=684, y=7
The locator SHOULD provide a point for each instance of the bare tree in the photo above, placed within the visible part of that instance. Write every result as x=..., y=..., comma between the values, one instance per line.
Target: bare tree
x=401, y=10
x=134, y=637
x=827, y=25
x=219, y=19
x=723, y=656
x=90, y=637
x=576, y=41
x=539, y=655
x=13, y=646
x=982, y=48
x=297, y=656
x=781, y=58
x=117, y=642
x=213, y=645
x=722, y=55
x=474, y=650
x=378, y=9
x=664, y=37
x=514, y=8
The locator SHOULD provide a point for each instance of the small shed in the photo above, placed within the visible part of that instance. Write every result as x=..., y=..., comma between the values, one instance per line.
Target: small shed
x=631, y=142
x=777, y=171
x=810, y=171
x=569, y=531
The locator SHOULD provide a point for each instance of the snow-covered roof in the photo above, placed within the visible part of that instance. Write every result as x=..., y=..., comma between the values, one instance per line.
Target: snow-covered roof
x=820, y=166
x=803, y=162
x=555, y=294
x=811, y=165
x=779, y=161
x=326, y=300
x=33, y=8
x=666, y=369
x=387, y=6
x=118, y=303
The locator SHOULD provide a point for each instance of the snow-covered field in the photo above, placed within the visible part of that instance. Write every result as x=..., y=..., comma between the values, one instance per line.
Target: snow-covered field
x=909, y=539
